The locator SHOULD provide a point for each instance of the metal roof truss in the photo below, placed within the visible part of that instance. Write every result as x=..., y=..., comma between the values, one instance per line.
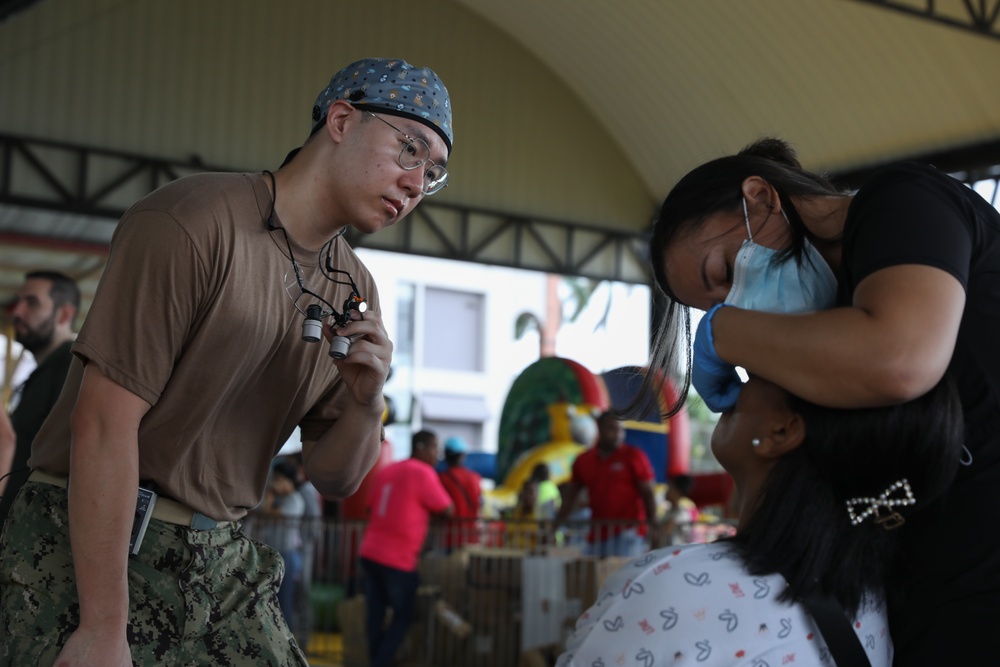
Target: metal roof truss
x=978, y=16
x=57, y=176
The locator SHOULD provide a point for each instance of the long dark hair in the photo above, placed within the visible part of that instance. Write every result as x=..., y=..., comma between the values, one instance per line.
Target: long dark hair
x=715, y=187
x=800, y=525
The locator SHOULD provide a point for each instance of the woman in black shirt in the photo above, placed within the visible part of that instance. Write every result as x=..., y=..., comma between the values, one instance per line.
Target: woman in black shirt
x=855, y=301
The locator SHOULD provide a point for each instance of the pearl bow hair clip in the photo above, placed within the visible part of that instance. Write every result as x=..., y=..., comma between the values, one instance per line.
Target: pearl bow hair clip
x=887, y=501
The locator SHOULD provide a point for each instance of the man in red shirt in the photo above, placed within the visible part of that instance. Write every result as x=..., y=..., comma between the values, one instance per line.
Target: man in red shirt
x=464, y=487
x=619, y=480
x=402, y=498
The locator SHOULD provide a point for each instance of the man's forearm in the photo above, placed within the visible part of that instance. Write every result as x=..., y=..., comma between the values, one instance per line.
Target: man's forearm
x=8, y=445
x=568, y=503
x=103, y=488
x=102, y=498
x=649, y=500
x=337, y=463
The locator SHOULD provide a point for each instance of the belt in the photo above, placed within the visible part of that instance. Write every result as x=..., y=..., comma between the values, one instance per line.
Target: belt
x=164, y=509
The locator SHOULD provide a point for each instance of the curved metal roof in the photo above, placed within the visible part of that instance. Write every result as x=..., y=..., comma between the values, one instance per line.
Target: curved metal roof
x=850, y=83
x=573, y=117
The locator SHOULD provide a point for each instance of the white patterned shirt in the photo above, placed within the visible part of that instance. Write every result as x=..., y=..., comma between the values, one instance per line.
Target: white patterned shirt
x=697, y=605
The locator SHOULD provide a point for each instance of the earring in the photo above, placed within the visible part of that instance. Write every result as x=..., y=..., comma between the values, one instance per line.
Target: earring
x=755, y=442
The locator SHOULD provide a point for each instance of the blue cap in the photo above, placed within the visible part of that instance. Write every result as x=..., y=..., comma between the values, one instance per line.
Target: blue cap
x=394, y=87
x=455, y=445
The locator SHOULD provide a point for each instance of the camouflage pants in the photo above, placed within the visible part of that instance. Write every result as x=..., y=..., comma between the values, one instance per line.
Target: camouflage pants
x=196, y=598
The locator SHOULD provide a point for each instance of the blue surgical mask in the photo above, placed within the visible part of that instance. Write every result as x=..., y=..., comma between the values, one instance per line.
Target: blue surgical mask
x=786, y=287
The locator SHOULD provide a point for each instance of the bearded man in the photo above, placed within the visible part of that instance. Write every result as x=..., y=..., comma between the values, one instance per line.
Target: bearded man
x=43, y=314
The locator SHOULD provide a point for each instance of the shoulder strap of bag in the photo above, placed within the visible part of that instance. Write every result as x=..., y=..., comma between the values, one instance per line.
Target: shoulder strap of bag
x=833, y=624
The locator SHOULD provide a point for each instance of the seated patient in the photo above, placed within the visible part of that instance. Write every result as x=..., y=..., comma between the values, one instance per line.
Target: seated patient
x=822, y=494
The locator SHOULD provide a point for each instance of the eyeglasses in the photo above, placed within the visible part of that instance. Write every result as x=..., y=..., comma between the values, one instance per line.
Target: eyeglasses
x=416, y=153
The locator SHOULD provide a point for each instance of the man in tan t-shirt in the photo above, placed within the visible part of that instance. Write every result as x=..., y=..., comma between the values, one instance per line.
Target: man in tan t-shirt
x=190, y=371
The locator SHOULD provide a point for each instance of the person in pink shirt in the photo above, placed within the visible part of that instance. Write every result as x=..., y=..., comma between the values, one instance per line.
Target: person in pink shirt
x=400, y=502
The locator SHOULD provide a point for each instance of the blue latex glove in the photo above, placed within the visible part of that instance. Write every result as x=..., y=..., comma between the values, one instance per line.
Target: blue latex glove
x=715, y=380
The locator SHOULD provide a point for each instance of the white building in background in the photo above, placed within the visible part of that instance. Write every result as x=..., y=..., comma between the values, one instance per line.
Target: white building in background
x=455, y=355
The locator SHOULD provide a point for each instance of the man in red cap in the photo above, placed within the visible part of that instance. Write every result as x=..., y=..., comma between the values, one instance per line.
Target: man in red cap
x=465, y=488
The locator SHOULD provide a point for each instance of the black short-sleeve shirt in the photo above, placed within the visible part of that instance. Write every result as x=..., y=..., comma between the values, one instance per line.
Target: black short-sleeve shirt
x=914, y=214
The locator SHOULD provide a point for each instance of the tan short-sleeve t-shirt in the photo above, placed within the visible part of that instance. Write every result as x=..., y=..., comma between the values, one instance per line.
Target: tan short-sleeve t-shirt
x=193, y=316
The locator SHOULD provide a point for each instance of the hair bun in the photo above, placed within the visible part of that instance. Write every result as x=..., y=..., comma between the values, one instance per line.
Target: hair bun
x=776, y=150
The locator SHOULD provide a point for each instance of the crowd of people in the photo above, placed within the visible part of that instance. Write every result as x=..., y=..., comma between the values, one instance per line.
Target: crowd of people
x=863, y=443
x=413, y=512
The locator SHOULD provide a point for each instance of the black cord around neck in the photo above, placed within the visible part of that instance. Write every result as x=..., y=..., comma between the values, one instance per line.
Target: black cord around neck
x=269, y=222
x=326, y=269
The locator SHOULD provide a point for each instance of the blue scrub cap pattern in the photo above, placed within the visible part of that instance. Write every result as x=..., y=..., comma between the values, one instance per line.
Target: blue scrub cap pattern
x=393, y=87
